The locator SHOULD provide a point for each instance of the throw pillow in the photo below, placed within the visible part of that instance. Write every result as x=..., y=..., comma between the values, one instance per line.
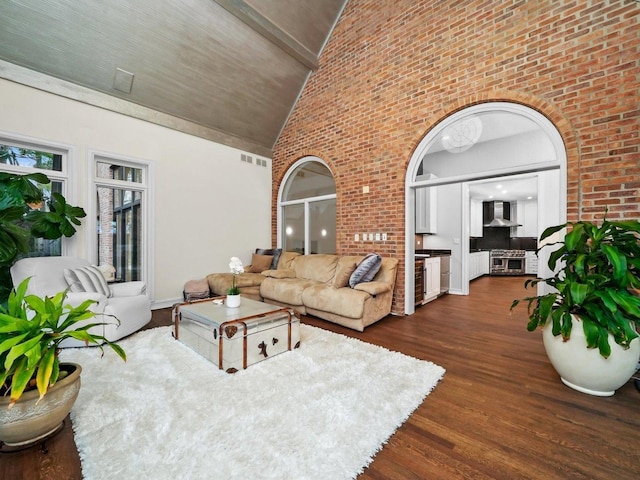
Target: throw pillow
x=87, y=279
x=345, y=268
x=366, y=269
x=276, y=252
x=276, y=258
x=260, y=263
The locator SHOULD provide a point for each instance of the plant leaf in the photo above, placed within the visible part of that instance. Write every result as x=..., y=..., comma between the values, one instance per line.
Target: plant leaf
x=45, y=369
x=21, y=376
x=617, y=260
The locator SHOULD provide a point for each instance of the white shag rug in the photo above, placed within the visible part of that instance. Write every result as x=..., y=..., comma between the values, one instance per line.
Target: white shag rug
x=319, y=412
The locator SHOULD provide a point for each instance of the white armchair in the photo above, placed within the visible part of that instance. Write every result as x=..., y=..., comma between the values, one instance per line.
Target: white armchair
x=128, y=301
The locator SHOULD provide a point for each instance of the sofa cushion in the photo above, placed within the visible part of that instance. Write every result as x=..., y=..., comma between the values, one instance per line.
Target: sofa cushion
x=87, y=279
x=280, y=273
x=344, y=269
x=219, y=283
x=285, y=290
x=286, y=259
x=317, y=267
x=340, y=301
x=260, y=263
x=366, y=269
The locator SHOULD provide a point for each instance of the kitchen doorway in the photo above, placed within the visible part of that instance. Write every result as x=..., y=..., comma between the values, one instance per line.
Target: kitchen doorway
x=480, y=144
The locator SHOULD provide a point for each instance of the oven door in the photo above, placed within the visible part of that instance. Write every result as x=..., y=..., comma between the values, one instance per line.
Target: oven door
x=515, y=265
x=498, y=264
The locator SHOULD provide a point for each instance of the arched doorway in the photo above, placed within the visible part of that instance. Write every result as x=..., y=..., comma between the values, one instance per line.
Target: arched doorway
x=479, y=143
x=307, y=208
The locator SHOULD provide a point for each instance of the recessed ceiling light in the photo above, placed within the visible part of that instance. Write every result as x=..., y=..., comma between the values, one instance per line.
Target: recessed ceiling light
x=498, y=187
x=504, y=192
x=529, y=197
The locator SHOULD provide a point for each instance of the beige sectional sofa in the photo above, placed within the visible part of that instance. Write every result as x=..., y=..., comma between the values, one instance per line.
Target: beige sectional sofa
x=318, y=285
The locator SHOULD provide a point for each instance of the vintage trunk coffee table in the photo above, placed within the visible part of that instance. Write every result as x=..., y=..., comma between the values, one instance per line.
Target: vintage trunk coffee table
x=235, y=338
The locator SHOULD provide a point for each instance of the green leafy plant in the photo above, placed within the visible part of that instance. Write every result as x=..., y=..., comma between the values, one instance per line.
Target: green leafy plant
x=31, y=330
x=21, y=217
x=598, y=280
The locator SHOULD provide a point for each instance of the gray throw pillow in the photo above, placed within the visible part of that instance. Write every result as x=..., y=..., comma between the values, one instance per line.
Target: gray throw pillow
x=366, y=269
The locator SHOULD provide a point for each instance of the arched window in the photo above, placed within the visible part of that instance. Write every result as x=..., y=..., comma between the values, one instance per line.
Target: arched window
x=307, y=208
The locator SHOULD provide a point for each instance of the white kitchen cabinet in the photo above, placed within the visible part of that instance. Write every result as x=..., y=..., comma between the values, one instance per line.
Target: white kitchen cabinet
x=426, y=210
x=530, y=263
x=478, y=264
x=475, y=218
x=527, y=217
x=432, y=278
x=485, y=263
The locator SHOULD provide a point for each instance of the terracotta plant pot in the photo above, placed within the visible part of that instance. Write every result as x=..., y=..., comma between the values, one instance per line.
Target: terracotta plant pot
x=584, y=369
x=27, y=422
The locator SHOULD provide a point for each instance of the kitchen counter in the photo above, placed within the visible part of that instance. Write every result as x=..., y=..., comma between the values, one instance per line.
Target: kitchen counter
x=433, y=253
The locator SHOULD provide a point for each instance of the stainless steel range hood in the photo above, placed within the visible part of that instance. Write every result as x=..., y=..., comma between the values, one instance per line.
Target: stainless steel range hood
x=497, y=216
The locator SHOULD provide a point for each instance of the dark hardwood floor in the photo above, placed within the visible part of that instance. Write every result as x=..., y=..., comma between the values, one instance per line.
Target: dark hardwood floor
x=500, y=411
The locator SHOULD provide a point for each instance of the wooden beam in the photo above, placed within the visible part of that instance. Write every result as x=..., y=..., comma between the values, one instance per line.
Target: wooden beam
x=269, y=30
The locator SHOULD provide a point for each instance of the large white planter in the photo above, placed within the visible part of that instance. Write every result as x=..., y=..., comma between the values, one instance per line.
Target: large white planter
x=584, y=369
x=30, y=420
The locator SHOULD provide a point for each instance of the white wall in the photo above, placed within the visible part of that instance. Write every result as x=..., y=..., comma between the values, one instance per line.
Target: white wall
x=209, y=205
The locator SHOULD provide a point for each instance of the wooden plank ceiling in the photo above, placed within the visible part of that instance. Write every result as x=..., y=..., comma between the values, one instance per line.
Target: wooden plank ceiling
x=226, y=70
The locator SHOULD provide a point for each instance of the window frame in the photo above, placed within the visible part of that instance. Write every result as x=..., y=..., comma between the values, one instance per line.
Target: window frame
x=147, y=210
x=304, y=201
x=69, y=245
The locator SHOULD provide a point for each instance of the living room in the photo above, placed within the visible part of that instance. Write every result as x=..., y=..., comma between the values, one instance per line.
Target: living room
x=389, y=73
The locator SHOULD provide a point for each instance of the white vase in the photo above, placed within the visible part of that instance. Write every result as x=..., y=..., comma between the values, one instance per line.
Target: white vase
x=584, y=369
x=233, y=301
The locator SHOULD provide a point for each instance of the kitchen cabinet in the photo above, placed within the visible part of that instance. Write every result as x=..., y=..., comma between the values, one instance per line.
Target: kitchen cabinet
x=527, y=212
x=426, y=210
x=530, y=263
x=431, y=278
x=475, y=218
x=478, y=264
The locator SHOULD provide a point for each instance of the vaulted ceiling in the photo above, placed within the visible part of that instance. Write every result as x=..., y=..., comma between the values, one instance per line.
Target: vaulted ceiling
x=226, y=70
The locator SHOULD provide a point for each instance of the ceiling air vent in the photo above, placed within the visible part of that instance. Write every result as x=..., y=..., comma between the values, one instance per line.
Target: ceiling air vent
x=123, y=80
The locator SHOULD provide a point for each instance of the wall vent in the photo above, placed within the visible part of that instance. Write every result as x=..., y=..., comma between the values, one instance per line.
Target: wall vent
x=261, y=162
x=246, y=158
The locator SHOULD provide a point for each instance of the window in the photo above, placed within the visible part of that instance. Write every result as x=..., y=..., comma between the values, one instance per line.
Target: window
x=307, y=216
x=122, y=213
x=23, y=157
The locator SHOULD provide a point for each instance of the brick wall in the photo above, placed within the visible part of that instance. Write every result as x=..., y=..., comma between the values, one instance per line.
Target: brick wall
x=392, y=70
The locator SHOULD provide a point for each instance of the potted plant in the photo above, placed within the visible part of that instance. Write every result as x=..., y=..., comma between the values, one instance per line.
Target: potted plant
x=233, y=293
x=36, y=390
x=22, y=217
x=591, y=313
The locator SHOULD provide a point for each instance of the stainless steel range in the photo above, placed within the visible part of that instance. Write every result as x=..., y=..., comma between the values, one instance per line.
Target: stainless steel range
x=507, y=262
